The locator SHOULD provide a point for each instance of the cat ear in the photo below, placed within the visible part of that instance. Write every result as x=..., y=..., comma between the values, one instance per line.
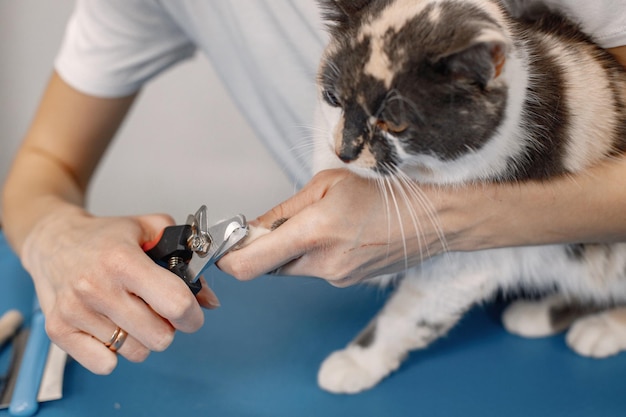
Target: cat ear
x=481, y=61
x=338, y=13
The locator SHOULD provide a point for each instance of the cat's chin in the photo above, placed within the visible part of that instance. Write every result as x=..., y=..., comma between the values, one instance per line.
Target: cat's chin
x=368, y=173
x=419, y=173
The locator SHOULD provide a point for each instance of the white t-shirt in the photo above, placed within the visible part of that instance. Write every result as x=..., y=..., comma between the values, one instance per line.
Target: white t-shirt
x=604, y=20
x=266, y=53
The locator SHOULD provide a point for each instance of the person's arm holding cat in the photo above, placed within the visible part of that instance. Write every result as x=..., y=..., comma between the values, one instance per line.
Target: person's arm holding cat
x=340, y=229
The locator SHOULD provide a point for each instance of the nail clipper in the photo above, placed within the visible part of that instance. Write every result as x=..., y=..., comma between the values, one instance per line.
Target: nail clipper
x=188, y=250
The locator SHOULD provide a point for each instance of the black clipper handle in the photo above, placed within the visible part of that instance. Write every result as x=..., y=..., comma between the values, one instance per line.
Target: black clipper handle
x=170, y=251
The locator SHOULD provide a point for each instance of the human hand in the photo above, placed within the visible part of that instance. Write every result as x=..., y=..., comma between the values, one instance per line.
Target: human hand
x=343, y=228
x=92, y=276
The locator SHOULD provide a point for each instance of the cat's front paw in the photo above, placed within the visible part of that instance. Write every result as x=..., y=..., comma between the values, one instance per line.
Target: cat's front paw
x=254, y=232
x=353, y=370
x=530, y=318
x=597, y=336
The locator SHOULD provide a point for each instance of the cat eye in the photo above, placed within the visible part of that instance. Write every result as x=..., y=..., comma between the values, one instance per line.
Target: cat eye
x=330, y=98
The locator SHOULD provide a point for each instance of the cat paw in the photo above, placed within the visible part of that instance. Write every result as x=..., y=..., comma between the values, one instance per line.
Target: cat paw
x=597, y=336
x=353, y=370
x=529, y=318
x=254, y=232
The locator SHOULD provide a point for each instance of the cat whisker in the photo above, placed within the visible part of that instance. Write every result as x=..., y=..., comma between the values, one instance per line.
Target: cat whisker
x=430, y=211
x=308, y=145
x=413, y=215
x=307, y=142
x=381, y=185
x=396, y=207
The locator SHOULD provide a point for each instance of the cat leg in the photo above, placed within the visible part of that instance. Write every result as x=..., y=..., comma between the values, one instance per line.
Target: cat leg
x=412, y=318
x=599, y=335
x=541, y=318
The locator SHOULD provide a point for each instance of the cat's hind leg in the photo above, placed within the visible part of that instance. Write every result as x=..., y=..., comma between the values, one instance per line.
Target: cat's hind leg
x=416, y=314
x=544, y=317
x=592, y=332
x=599, y=335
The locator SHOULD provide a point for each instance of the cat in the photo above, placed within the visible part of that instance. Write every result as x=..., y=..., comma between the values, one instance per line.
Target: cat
x=465, y=91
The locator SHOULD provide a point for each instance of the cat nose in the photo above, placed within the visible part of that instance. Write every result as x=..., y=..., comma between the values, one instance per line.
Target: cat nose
x=347, y=156
x=345, y=159
x=348, y=151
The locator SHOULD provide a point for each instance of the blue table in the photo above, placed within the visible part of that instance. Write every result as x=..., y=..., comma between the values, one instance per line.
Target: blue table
x=258, y=355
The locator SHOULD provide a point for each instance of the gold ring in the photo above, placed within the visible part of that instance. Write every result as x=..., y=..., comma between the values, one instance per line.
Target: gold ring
x=117, y=340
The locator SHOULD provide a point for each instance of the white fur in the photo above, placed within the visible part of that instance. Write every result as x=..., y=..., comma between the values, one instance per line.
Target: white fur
x=354, y=369
x=531, y=318
x=597, y=336
x=326, y=119
x=592, y=128
x=441, y=289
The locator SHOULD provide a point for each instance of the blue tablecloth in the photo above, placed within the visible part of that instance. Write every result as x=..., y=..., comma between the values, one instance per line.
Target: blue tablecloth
x=258, y=355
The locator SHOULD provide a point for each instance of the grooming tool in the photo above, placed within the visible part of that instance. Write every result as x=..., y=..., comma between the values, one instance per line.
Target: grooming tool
x=10, y=322
x=36, y=371
x=16, y=291
x=188, y=250
x=7, y=381
x=41, y=370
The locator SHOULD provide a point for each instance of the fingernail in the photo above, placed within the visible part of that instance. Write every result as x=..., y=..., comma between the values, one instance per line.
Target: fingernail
x=213, y=302
x=207, y=299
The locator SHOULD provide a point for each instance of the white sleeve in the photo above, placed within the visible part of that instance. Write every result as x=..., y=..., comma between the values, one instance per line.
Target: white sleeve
x=604, y=20
x=112, y=47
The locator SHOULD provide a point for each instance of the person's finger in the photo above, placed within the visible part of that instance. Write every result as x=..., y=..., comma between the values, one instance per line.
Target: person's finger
x=152, y=226
x=311, y=193
x=140, y=320
x=292, y=239
x=303, y=266
x=206, y=297
x=86, y=350
x=268, y=252
x=131, y=348
x=162, y=290
x=84, y=337
x=165, y=293
x=147, y=331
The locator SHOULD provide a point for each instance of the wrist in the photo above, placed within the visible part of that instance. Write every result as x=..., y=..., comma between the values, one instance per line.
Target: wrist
x=466, y=215
x=52, y=215
x=488, y=216
x=584, y=207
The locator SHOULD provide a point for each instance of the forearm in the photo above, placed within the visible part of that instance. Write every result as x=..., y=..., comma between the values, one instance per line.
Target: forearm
x=385, y=235
x=37, y=187
x=59, y=154
x=585, y=207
